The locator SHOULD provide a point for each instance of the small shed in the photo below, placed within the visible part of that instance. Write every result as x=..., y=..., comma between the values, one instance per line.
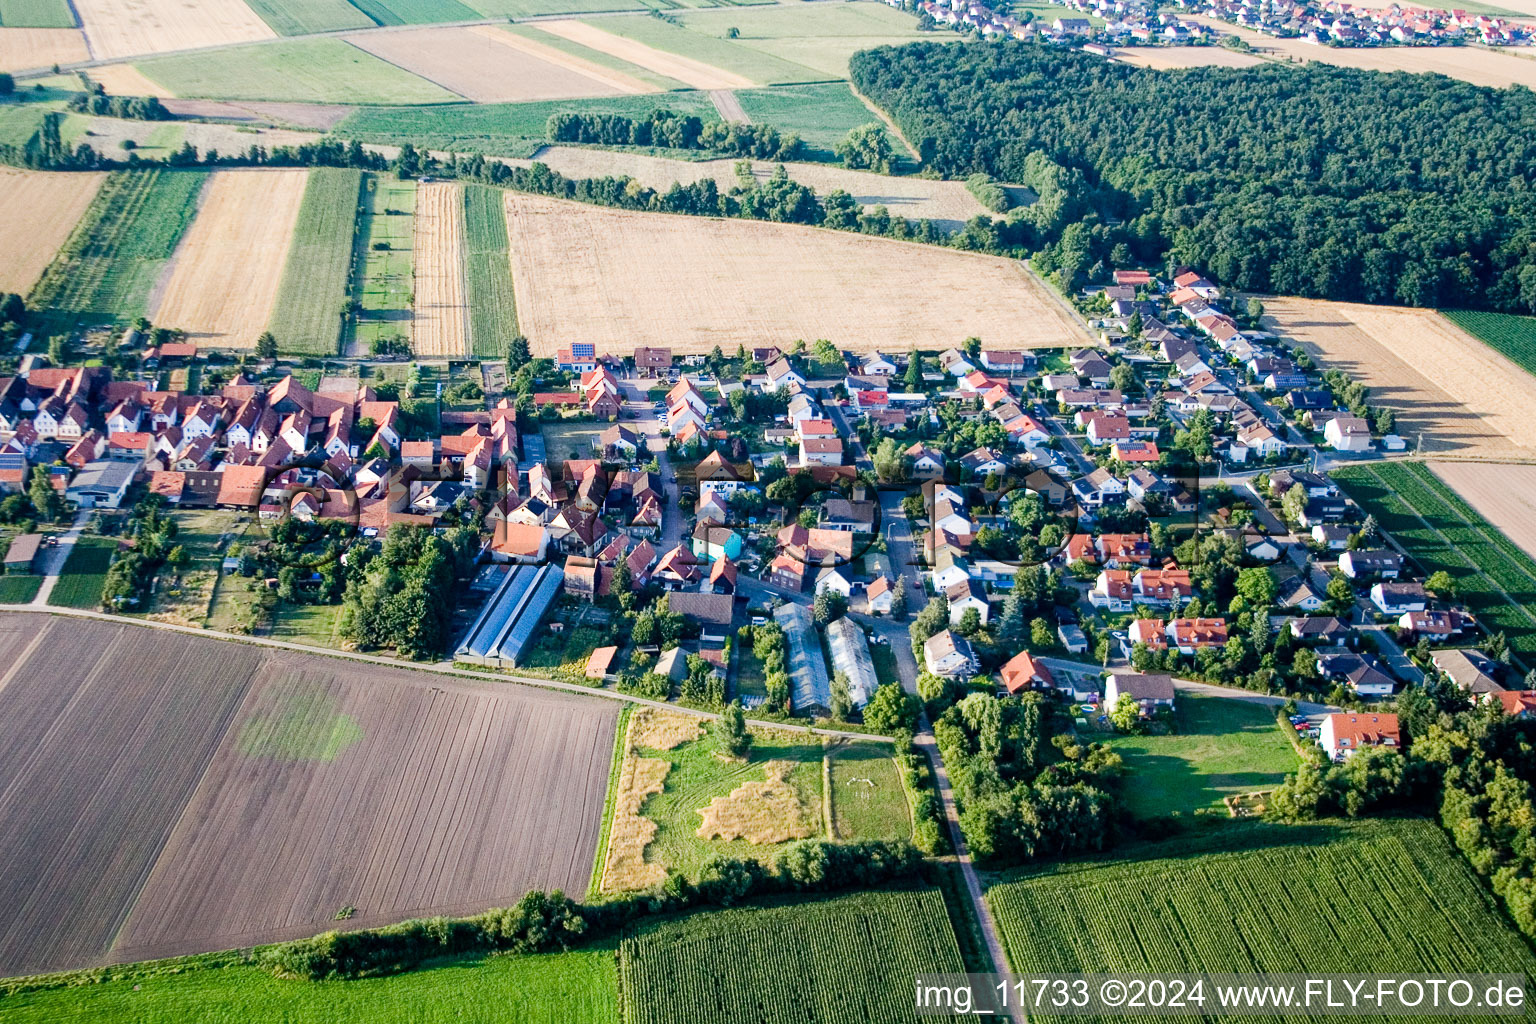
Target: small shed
x=21, y=556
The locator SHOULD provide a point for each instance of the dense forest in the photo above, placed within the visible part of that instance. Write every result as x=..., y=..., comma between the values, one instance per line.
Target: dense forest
x=1319, y=180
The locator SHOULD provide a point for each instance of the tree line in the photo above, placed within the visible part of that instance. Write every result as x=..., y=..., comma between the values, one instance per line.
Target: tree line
x=1321, y=180
x=671, y=130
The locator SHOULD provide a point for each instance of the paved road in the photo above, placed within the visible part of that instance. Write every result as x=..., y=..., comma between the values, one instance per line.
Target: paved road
x=53, y=558
x=440, y=668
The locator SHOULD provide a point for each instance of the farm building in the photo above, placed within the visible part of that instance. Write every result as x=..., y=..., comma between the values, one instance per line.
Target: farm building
x=21, y=556
x=507, y=623
x=810, y=687
x=101, y=484
x=850, y=656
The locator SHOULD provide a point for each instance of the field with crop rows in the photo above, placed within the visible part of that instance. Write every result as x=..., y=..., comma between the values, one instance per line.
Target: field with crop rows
x=1515, y=336
x=301, y=17
x=306, y=318
x=118, y=29
x=852, y=959
x=415, y=12
x=440, y=326
x=1381, y=897
x=38, y=212
x=500, y=129
x=820, y=114
x=487, y=272
x=105, y=272
x=1441, y=531
x=16, y=589
x=319, y=70
x=221, y=989
x=84, y=574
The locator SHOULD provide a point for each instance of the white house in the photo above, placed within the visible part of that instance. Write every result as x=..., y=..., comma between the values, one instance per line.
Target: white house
x=1348, y=434
x=1150, y=691
x=949, y=654
x=833, y=579
x=964, y=596
x=952, y=361
x=1396, y=598
x=948, y=569
x=877, y=365
x=1345, y=733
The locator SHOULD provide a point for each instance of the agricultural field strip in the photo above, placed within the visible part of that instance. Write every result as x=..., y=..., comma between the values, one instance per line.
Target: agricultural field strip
x=26, y=49
x=130, y=28
x=1511, y=335
x=691, y=72
x=487, y=272
x=1503, y=495
x=440, y=327
x=305, y=316
x=38, y=213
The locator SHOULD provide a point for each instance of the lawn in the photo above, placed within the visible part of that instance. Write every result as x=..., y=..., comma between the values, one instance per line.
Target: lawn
x=698, y=775
x=84, y=574
x=868, y=798
x=851, y=958
x=1381, y=897
x=885, y=663
x=385, y=239
x=1514, y=336
x=221, y=989
x=105, y=271
x=570, y=439
x=313, y=624
x=415, y=12
x=1220, y=746
x=751, y=681
x=300, y=70
x=307, y=317
x=1441, y=531
x=725, y=54
x=820, y=37
x=301, y=17
x=820, y=114
x=19, y=589
x=500, y=129
x=36, y=14
x=488, y=272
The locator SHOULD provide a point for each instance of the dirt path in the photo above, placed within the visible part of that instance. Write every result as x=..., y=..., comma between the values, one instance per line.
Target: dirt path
x=728, y=106
x=882, y=115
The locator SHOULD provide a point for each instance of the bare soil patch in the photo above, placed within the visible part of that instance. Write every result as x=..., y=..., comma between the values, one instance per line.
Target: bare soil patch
x=1505, y=495
x=441, y=313
x=1459, y=393
x=1166, y=58
x=947, y=202
x=227, y=269
x=22, y=49
x=127, y=80
x=685, y=69
x=480, y=68
x=621, y=279
x=126, y=28
x=769, y=811
x=38, y=210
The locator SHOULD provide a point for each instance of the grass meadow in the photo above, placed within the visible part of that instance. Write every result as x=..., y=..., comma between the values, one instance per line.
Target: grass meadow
x=307, y=317
x=84, y=574
x=488, y=272
x=386, y=236
x=820, y=114
x=301, y=17
x=820, y=37
x=1219, y=747
x=105, y=272
x=36, y=14
x=868, y=798
x=1263, y=898
x=1441, y=531
x=1514, y=336
x=298, y=70
x=716, y=51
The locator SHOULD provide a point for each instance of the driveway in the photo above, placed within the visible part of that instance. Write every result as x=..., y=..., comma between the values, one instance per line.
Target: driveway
x=53, y=559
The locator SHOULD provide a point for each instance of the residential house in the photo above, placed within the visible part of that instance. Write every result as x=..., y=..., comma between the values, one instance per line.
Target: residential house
x=652, y=361
x=964, y=595
x=821, y=451
x=1397, y=598
x=949, y=655
x=1323, y=628
x=714, y=542
x=1346, y=732
x=927, y=463
x=1189, y=635
x=1472, y=670
x=1151, y=692
x=1434, y=625
x=878, y=595
x=1348, y=434
x=1381, y=564
x=1026, y=672
x=1297, y=592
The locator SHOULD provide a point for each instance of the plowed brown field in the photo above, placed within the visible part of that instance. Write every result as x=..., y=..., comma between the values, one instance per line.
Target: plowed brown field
x=38, y=210
x=440, y=327
x=1502, y=494
x=164, y=794
x=226, y=271
x=621, y=279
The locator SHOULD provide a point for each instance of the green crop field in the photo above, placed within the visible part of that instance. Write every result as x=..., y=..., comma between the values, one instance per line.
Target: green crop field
x=307, y=316
x=1220, y=746
x=222, y=989
x=84, y=574
x=18, y=589
x=415, y=12
x=1381, y=897
x=296, y=70
x=18, y=124
x=500, y=129
x=817, y=36
x=488, y=272
x=36, y=14
x=820, y=114
x=868, y=799
x=853, y=959
x=382, y=283
x=104, y=272
x=300, y=17
x=1515, y=336
x=724, y=54
x=1441, y=531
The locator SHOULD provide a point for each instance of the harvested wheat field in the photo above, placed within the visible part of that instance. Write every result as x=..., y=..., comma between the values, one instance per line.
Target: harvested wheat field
x=38, y=210
x=621, y=279
x=1167, y=58
x=225, y=273
x=685, y=69
x=128, y=28
x=947, y=202
x=618, y=80
x=127, y=80
x=440, y=313
x=479, y=67
x=22, y=49
x=1461, y=394
x=163, y=793
x=1505, y=495
x=1474, y=64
